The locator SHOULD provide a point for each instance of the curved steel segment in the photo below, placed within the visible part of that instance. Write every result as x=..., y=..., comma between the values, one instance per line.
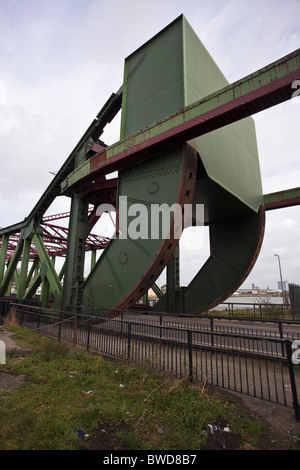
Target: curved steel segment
x=235, y=245
x=128, y=267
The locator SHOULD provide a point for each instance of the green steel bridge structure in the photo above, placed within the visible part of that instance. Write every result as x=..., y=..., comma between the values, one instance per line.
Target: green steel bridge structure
x=187, y=138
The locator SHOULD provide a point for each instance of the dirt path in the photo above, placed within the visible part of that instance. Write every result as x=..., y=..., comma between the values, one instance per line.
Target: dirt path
x=281, y=428
x=9, y=382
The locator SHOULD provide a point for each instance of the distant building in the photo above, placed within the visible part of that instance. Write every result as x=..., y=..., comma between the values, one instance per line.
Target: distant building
x=285, y=285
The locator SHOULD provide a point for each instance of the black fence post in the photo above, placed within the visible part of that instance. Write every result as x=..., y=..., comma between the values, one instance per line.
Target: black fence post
x=190, y=348
x=281, y=337
x=38, y=319
x=292, y=379
x=59, y=328
x=88, y=334
x=23, y=313
x=129, y=341
x=212, y=330
x=122, y=325
x=160, y=322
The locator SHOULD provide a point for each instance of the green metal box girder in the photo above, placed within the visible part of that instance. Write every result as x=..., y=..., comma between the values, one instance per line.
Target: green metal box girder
x=172, y=71
x=168, y=73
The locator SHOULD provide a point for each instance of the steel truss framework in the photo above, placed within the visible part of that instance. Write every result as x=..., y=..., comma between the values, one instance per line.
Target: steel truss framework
x=55, y=239
x=162, y=162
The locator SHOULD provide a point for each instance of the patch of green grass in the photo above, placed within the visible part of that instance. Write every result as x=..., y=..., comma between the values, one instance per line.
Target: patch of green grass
x=69, y=389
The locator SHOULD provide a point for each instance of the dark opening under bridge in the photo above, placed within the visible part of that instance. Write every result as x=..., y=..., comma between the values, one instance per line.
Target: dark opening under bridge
x=187, y=137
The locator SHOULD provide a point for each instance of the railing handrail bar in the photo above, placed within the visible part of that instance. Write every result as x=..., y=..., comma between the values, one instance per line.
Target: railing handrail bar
x=216, y=317
x=186, y=330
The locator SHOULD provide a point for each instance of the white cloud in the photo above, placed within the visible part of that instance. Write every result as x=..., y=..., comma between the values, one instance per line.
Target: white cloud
x=2, y=93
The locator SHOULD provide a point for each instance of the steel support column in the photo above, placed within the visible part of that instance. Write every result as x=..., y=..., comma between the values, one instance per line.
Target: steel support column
x=47, y=269
x=31, y=272
x=79, y=229
x=36, y=281
x=11, y=268
x=173, y=280
x=24, y=268
x=3, y=253
x=93, y=259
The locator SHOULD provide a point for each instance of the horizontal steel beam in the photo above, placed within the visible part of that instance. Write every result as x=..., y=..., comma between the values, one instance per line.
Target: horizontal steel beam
x=263, y=89
x=281, y=199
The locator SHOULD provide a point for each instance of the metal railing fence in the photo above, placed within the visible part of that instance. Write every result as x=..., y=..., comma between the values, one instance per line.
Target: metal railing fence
x=275, y=328
x=255, y=365
x=261, y=310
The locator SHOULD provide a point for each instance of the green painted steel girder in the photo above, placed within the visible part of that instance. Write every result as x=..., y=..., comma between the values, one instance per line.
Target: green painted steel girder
x=24, y=268
x=280, y=199
x=157, y=290
x=35, y=282
x=11, y=268
x=79, y=229
x=226, y=172
x=47, y=266
x=3, y=253
x=128, y=266
x=31, y=272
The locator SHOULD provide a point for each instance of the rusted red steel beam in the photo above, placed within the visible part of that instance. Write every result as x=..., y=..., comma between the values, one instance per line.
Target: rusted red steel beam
x=55, y=239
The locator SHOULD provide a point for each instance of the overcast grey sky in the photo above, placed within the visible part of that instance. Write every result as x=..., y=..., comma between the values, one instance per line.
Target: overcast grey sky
x=61, y=59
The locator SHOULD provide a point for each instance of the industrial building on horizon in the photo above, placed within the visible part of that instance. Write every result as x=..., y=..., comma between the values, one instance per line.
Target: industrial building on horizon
x=256, y=290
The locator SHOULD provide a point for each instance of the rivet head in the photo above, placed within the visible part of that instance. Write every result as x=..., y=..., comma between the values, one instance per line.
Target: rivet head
x=122, y=257
x=153, y=187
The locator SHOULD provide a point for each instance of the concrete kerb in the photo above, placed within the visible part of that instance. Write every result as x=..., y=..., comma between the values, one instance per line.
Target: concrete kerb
x=10, y=345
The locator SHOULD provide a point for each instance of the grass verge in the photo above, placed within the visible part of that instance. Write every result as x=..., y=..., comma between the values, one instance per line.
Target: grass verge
x=67, y=389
